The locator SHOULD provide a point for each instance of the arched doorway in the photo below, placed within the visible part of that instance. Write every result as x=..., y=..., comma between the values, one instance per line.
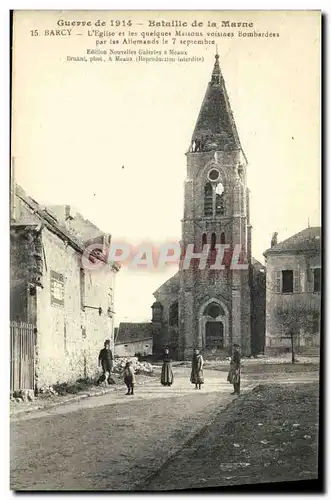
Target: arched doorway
x=213, y=325
x=214, y=335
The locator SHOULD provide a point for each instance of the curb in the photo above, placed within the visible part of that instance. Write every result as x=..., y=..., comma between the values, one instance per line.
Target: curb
x=74, y=399
x=59, y=403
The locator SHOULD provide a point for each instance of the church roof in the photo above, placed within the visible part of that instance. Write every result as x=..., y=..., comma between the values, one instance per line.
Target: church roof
x=133, y=332
x=171, y=285
x=215, y=129
x=307, y=240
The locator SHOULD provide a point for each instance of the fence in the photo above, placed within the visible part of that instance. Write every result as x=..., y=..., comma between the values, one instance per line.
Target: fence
x=22, y=356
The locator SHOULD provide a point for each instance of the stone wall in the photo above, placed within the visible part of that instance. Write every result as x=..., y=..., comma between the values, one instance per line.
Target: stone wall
x=144, y=347
x=69, y=338
x=258, y=310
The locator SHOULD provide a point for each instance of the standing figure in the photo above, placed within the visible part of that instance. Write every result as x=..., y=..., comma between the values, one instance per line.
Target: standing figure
x=129, y=378
x=197, y=371
x=106, y=362
x=234, y=372
x=167, y=376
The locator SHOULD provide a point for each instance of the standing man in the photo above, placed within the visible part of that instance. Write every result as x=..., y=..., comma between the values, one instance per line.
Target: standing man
x=234, y=372
x=106, y=362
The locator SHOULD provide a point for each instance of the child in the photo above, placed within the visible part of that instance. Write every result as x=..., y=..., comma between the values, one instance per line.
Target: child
x=129, y=378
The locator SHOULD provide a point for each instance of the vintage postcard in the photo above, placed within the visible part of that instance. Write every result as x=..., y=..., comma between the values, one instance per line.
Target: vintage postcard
x=165, y=245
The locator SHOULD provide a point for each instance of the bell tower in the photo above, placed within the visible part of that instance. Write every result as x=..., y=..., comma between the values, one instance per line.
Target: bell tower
x=214, y=305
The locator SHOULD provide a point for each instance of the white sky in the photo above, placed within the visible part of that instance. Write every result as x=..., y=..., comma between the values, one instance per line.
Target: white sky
x=76, y=125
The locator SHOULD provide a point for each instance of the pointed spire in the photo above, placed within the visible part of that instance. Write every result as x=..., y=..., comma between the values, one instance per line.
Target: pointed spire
x=215, y=129
x=216, y=75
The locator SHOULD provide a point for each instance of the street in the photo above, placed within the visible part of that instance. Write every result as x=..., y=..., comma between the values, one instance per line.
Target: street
x=116, y=442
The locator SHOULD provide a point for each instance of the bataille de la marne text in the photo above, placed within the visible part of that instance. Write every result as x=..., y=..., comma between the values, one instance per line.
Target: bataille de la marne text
x=159, y=24
x=69, y=25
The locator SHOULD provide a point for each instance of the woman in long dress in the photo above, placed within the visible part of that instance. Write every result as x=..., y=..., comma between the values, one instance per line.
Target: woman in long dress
x=167, y=376
x=197, y=369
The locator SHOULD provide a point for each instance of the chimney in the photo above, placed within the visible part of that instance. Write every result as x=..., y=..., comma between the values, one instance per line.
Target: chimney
x=274, y=239
x=68, y=213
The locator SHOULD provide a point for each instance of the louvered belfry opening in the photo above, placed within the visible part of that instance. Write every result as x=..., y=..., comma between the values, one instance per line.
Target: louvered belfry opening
x=208, y=206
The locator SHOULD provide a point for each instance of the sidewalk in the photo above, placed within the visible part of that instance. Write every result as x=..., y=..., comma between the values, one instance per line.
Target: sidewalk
x=43, y=403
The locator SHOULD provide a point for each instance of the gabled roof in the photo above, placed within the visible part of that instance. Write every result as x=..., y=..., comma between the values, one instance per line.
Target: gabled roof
x=305, y=241
x=49, y=219
x=215, y=129
x=133, y=332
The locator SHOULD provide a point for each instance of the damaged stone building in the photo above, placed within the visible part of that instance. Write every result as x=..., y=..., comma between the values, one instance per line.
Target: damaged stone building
x=212, y=309
x=293, y=296
x=70, y=305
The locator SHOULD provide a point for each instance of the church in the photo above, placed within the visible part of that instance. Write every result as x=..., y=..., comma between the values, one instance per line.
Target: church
x=211, y=309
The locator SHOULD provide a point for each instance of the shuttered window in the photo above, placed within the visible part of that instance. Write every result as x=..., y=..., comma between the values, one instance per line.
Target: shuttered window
x=296, y=281
x=317, y=279
x=278, y=281
x=208, y=209
x=310, y=280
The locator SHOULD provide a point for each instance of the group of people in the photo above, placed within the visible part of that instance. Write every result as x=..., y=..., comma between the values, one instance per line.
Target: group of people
x=197, y=377
x=167, y=375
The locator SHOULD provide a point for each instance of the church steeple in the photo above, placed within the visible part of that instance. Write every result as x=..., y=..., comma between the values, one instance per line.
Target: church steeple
x=215, y=129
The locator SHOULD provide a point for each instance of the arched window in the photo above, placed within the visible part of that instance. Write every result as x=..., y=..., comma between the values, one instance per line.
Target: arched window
x=173, y=314
x=220, y=204
x=204, y=239
x=222, y=238
x=208, y=210
x=213, y=241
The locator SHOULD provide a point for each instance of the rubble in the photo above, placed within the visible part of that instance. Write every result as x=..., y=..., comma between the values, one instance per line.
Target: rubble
x=47, y=392
x=139, y=367
x=23, y=395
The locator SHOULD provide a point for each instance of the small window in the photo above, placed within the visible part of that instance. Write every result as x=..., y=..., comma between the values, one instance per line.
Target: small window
x=317, y=279
x=213, y=241
x=125, y=345
x=147, y=346
x=287, y=281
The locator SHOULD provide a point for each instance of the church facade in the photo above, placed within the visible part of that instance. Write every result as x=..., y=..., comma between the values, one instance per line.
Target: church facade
x=210, y=309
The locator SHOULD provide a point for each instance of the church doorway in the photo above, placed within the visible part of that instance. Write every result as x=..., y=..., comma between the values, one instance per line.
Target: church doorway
x=214, y=335
x=213, y=325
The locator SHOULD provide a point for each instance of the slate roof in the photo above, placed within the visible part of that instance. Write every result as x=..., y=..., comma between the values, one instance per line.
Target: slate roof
x=310, y=239
x=133, y=332
x=215, y=119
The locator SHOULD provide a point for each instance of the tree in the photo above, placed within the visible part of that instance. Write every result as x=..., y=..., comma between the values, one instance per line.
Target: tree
x=296, y=314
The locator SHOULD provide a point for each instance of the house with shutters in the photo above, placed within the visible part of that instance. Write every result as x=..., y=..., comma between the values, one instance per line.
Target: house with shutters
x=294, y=284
